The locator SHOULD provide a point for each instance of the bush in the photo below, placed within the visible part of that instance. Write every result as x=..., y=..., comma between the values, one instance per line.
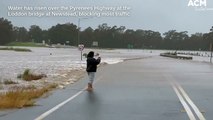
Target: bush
x=7, y=82
x=85, y=55
x=28, y=76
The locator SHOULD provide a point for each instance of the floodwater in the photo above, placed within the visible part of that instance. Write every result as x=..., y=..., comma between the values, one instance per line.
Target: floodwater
x=53, y=61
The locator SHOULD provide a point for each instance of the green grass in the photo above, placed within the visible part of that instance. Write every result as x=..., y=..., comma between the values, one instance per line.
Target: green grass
x=26, y=44
x=16, y=49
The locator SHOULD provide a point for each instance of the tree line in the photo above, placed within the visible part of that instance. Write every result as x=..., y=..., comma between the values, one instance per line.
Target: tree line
x=106, y=37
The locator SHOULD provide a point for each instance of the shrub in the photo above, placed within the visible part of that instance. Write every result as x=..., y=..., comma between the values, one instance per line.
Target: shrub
x=85, y=55
x=6, y=82
x=28, y=76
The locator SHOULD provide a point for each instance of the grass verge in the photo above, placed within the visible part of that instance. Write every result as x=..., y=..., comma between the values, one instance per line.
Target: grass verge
x=22, y=97
x=26, y=44
x=16, y=49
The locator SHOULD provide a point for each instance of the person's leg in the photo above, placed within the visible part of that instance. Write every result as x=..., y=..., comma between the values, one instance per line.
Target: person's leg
x=91, y=76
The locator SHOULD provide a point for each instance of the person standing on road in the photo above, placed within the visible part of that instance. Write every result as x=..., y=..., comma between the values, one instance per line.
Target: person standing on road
x=92, y=68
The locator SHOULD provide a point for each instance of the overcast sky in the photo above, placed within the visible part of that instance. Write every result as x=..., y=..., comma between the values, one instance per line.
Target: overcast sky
x=157, y=15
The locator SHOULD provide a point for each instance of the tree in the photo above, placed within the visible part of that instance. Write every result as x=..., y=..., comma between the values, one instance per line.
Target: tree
x=153, y=39
x=208, y=38
x=174, y=39
x=36, y=34
x=45, y=36
x=103, y=36
x=87, y=37
x=117, y=37
x=103, y=27
x=21, y=34
x=6, y=31
x=195, y=42
x=106, y=36
x=61, y=33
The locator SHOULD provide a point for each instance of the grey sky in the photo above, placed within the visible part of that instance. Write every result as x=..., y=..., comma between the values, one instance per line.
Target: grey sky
x=158, y=15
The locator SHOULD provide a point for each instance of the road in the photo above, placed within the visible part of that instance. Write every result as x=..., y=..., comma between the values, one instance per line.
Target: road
x=154, y=88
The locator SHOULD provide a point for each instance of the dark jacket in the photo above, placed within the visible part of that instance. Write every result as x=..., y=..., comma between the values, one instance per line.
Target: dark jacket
x=92, y=64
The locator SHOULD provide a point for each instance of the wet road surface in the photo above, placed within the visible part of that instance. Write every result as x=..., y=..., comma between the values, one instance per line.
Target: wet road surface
x=154, y=88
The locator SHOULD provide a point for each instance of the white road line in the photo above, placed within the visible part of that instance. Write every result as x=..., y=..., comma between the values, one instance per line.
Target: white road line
x=183, y=95
x=186, y=107
x=196, y=110
x=42, y=116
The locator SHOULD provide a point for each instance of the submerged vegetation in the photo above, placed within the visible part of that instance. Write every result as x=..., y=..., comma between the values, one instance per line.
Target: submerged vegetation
x=29, y=76
x=8, y=82
x=16, y=49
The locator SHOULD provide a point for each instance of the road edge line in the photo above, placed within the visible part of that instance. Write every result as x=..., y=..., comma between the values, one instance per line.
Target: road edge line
x=45, y=114
x=42, y=116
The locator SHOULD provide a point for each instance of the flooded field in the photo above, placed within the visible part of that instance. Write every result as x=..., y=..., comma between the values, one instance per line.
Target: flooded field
x=58, y=62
